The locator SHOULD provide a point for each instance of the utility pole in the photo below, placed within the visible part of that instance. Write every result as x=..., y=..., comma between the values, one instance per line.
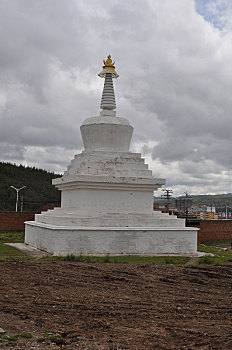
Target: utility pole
x=17, y=196
x=187, y=197
x=167, y=195
x=21, y=203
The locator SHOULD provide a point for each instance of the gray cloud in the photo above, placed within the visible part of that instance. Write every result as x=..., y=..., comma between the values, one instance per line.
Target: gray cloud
x=174, y=86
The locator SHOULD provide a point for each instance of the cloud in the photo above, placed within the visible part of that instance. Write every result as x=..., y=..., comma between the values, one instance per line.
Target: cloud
x=175, y=83
x=217, y=12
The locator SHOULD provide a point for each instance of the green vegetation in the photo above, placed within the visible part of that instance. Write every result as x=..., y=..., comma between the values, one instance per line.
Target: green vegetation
x=209, y=249
x=39, y=188
x=217, y=244
x=12, y=237
x=217, y=249
x=53, y=338
x=215, y=260
x=130, y=259
x=40, y=339
x=25, y=335
x=206, y=260
x=10, y=253
x=6, y=340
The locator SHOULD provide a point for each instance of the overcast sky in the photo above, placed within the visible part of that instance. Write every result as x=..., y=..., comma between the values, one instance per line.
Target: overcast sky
x=174, y=59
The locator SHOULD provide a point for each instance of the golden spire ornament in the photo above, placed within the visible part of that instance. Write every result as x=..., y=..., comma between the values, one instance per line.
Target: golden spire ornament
x=108, y=68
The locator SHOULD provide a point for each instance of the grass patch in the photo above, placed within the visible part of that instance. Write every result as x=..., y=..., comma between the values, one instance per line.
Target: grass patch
x=215, y=250
x=11, y=340
x=210, y=249
x=51, y=338
x=25, y=335
x=14, y=338
x=222, y=244
x=214, y=260
x=221, y=257
x=57, y=339
x=10, y=253
x=206, y=260
x=41, y=340
x=11, y=237
x=130, y=259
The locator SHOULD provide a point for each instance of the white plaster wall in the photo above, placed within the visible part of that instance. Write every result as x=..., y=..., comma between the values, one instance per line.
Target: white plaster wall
x=123, y=241
x=108, y=200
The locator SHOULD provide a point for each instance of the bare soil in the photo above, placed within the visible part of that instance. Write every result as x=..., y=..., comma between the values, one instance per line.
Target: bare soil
x=72, y=305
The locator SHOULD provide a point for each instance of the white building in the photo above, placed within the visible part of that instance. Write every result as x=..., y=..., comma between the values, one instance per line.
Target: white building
x=107, y=196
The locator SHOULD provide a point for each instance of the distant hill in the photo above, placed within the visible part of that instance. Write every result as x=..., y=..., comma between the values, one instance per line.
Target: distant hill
x=217, y=200
x=38, y=191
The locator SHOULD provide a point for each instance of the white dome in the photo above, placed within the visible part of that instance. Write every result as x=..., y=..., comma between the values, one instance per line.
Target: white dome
x=106, y=133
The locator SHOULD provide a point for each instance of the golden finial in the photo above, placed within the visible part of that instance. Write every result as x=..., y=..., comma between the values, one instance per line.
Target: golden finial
x=108, y=62
x=108, y=68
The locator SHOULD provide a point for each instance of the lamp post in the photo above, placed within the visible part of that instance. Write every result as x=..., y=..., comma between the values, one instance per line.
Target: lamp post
x=17, y=196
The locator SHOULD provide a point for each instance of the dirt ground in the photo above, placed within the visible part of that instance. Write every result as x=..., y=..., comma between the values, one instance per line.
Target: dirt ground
x=72, y=305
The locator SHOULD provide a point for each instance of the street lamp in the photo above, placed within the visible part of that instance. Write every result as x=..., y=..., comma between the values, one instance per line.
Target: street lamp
x=17, y=196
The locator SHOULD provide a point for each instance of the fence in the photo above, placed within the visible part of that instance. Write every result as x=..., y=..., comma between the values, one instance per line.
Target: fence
x=215, y=230
x=14, y=221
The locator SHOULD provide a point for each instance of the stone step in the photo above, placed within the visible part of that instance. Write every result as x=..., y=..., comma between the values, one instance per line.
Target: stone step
x=124, y=156
x=113, y=221
x=95, y=214
x=127, y=162
x=111, y=172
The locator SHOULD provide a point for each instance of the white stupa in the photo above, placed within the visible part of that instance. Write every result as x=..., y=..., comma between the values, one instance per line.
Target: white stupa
x=107, y=196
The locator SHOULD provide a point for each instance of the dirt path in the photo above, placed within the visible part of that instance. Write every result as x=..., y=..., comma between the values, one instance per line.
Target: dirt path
x=115, y=306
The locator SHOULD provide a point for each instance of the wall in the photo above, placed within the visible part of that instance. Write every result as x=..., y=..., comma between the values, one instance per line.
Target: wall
x=14, y=221
x=215, y=230
x=60, y=240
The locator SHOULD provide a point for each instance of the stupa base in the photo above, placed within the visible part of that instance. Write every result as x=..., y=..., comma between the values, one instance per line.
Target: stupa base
x=112, y=241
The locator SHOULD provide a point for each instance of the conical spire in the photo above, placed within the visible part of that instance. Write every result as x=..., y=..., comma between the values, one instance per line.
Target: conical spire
x=108, y=98
x=108, y=103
